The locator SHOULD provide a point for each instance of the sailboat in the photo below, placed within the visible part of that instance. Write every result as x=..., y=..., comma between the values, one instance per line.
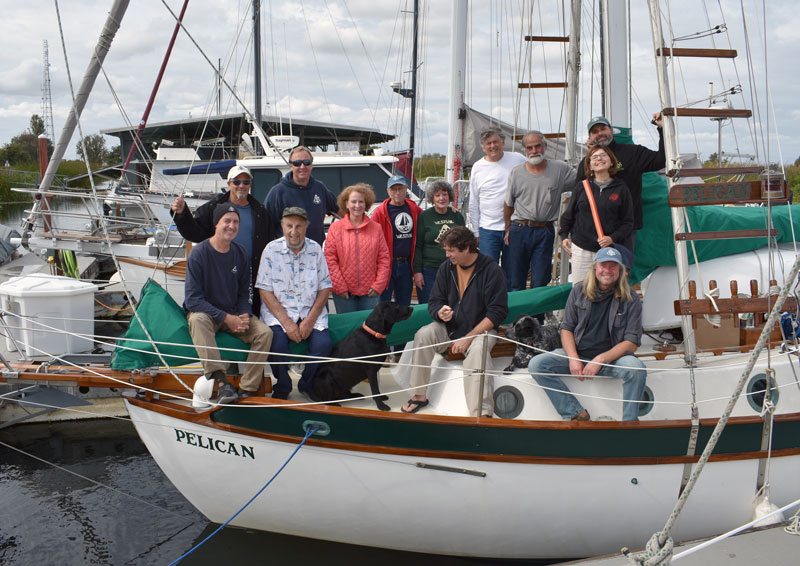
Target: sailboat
x=520, y=485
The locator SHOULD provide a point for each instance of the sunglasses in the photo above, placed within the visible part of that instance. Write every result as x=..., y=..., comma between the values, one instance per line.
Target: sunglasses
x=244, y=182
x=299, y=162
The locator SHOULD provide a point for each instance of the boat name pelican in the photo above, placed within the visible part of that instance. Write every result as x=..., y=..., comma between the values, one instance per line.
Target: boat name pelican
x=711, y=193
x=213, y=444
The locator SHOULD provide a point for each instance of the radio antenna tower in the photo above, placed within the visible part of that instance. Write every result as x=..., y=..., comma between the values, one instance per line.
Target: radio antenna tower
x=47, y=99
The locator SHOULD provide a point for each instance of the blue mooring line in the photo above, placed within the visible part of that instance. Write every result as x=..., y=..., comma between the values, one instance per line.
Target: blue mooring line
x=309, y=432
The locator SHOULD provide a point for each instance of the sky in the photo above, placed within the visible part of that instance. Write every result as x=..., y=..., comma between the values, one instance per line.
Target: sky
x=333, y=60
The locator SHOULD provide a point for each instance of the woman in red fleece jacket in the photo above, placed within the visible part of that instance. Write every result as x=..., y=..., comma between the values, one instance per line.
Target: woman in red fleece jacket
x=357, y=254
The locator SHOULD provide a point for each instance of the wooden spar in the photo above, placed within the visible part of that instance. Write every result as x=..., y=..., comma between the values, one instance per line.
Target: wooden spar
x=151, y=100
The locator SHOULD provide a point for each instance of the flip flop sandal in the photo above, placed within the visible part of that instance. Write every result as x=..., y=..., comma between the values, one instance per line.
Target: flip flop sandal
x=416, y=404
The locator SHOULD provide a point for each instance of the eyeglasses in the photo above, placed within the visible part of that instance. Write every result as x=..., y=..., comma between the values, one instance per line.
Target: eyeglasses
x=244, y=182
x=299, y=162
x=598, y=156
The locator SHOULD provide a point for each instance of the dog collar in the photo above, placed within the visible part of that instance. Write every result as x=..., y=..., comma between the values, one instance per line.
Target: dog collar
x=375, y=334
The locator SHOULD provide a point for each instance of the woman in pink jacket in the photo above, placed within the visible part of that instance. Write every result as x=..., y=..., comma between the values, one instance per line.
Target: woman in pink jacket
x=357, y=254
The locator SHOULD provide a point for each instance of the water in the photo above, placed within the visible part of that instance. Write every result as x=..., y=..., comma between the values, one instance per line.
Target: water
x=12, y=213
x=136, y=516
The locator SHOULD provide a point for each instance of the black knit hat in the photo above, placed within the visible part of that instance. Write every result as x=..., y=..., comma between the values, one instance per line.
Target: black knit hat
x=221, y=210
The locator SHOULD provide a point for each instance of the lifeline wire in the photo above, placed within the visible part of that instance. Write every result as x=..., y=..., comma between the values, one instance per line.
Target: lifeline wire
x=309, y=432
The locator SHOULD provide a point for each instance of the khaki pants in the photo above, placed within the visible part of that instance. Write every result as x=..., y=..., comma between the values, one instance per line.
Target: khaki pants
x=203, y=329
x=435, y=333
x=582, y=261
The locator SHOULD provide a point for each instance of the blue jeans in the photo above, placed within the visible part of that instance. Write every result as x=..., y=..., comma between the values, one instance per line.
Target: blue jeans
x=628, y=368
x=400, y=284
x=530, y=249
x=354, y=303
x=319, y=344
x=429, y=276
x=492, y=244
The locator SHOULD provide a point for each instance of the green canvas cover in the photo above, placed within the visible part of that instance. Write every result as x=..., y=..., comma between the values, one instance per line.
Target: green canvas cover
x=166, y=323
x=166, y=320
x=655, y=243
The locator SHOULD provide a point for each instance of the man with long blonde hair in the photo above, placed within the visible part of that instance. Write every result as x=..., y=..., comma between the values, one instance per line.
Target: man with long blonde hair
x=601, y=330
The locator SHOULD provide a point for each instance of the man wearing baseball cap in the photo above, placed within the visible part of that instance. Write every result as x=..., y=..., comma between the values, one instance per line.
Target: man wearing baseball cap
x=255, y=228
x=601, y=330
x=218, y=296
x=294, y=284
x=397, y=217
x=633, y=161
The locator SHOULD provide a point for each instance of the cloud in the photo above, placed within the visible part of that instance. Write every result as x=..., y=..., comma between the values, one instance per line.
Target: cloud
x=358, y=48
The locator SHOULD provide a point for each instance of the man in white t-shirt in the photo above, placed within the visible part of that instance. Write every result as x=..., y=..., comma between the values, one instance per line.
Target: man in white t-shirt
x=487, y=189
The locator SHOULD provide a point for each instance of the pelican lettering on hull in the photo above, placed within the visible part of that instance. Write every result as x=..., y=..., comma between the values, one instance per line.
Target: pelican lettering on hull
x=215, y=445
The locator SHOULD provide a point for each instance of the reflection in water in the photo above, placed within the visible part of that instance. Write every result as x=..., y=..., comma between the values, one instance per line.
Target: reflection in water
x=53, y=517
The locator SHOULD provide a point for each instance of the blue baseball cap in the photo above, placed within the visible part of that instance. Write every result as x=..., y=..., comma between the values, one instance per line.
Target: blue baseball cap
x=617, y=252
x=598, y=120
x=608, y=254
x=396, y=180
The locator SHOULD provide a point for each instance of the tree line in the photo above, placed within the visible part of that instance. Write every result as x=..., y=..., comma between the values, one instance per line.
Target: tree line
x=19, y=159
x=23, y=149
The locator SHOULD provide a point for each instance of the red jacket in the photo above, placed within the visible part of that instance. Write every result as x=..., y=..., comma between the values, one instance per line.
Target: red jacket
x=358, y=258
x=381, y=216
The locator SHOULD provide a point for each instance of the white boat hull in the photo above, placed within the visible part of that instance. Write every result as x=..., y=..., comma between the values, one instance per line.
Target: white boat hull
x=504, y=509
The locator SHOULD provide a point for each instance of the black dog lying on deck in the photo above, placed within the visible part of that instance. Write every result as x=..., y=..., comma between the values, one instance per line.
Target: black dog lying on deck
x=528, y=330
x=334, y=380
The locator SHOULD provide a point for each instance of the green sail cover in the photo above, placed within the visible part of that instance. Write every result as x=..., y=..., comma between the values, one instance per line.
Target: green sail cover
x=166, y=320
x=166, y=323
x=655, y=244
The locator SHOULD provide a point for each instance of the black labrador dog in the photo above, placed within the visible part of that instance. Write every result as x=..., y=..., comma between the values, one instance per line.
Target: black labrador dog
x=334, y=380
x=529, y=331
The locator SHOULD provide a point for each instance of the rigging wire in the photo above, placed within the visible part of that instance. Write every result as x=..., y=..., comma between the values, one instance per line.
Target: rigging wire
x=350, y=64
x=102, y=219
x=314, y=56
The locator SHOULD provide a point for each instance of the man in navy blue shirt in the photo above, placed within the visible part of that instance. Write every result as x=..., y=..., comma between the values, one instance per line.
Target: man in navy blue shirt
x=218, y=296
x=299, y=189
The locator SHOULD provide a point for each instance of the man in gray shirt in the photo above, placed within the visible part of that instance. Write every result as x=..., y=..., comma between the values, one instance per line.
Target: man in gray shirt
x=533, y=199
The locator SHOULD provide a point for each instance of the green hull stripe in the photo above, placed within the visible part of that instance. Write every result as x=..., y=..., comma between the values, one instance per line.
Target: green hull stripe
x=526, y=442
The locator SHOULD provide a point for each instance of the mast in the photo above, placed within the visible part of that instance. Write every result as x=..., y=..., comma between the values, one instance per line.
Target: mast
x=413, y=125
x=152, y=99
x=458, y=66
x=95, y=63
x=257, y=60
x=615, y=46
x=670, y=147
x=573, y=66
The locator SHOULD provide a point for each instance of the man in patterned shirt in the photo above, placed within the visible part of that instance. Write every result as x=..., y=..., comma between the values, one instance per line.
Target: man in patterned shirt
x=294, y=284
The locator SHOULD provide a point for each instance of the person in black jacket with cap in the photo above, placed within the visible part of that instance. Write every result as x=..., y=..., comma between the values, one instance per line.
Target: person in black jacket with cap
x=633, y=161
x=255, y=229
x=468, y=299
